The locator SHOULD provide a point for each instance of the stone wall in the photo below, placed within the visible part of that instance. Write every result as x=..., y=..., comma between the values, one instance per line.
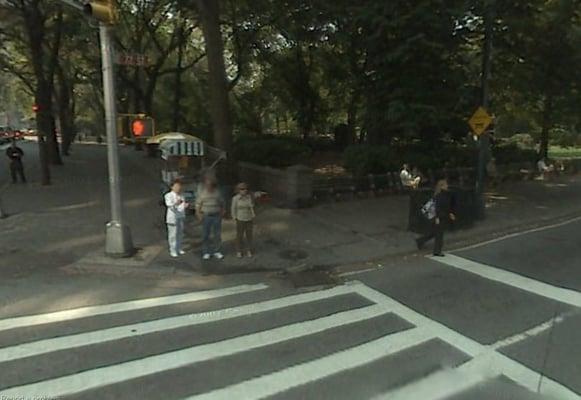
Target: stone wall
x=290, y=187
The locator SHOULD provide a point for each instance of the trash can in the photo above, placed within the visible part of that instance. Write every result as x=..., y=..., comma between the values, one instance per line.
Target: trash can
x=464, y=203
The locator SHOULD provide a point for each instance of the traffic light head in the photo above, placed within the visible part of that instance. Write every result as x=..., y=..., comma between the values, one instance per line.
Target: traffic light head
x=104, y=11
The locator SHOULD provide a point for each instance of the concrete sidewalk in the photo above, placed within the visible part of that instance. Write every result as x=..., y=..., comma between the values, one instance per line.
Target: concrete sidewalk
x=62, y=226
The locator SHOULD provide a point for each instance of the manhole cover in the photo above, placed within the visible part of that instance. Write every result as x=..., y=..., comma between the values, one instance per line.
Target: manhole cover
x=293, y=254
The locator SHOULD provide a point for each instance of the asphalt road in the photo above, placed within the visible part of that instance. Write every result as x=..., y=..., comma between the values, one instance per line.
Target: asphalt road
x=497, y=321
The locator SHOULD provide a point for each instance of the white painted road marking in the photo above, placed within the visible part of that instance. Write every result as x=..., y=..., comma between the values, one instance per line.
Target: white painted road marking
x=99, y=377
x=532, y=332
x=501, y=363
x=486, y=362
x=165, y=324
x=312, y=371
x=445, y=383
x=517, y=234
x=566, y=296
x=90, y=311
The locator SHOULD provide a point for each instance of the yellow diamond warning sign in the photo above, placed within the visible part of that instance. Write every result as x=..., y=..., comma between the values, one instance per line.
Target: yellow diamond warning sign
x=480, y=121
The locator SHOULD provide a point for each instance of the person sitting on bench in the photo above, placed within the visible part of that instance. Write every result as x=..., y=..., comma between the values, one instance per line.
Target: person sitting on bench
x=408, y=179
x=546, y=170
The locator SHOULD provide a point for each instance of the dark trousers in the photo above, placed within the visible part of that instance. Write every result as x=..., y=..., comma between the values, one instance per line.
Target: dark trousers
x=17, y=171
x=244, y=235
x=437, y=233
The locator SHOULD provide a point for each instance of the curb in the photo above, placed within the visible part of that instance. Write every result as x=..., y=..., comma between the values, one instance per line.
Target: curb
x=373, y=264
x=456, y=245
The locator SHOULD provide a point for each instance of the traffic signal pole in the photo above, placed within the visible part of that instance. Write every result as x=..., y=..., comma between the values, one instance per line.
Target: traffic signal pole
x=118, y=241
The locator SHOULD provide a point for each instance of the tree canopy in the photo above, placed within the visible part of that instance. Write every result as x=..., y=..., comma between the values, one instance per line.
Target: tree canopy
x=378, y=72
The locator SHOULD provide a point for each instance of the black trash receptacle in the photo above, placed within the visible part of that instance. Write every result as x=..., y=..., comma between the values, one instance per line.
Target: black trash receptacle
x=463, y=202
x=465, y=206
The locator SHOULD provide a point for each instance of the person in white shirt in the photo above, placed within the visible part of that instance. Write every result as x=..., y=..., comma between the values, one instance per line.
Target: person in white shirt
x=407, y=179
x=175, y=217
x=545, y=169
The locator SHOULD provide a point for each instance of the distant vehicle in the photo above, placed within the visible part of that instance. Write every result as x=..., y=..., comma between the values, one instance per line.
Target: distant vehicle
x=5, y=135
x=9, y=133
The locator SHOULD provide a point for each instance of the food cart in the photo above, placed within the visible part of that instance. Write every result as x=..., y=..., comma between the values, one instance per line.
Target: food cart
x=187, y=158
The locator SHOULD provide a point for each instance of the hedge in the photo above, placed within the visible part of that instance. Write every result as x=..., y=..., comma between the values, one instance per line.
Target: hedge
x=277, y=152
x=365, y=159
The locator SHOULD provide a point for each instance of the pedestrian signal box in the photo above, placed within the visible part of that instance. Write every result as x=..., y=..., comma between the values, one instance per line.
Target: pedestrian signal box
x=136, y=126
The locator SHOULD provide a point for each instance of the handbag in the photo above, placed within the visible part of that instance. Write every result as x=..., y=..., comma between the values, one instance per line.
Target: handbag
x=429, y=209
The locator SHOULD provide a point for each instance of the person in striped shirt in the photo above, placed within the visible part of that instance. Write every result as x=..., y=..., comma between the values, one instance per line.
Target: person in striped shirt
x=210, y=211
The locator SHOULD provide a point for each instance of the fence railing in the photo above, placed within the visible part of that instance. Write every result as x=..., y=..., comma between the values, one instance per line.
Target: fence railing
x=390, y=183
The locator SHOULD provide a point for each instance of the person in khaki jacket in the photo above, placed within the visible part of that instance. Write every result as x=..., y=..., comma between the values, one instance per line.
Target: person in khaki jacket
x=243, y=214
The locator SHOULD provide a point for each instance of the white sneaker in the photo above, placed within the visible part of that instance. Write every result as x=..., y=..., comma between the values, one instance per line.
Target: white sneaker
x=182, y=252
x=218, y=255
x=174, y=255
x=206, y=257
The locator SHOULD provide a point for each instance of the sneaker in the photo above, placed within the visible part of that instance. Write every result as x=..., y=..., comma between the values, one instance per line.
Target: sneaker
x=182, y=252
x=174, y=255
x=239, y=254
x=206, y=257
x=439, y=255
x=218, y=255
x=249, y=254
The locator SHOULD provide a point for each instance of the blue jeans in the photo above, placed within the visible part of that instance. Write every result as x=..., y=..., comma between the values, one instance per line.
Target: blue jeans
x=212, y=233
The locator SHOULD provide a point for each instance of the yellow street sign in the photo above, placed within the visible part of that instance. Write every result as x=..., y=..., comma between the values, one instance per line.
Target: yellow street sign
x=480, y=121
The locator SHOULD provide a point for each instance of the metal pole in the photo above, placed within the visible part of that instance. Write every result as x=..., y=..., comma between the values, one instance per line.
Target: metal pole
x=118, y=236
x=484, y=139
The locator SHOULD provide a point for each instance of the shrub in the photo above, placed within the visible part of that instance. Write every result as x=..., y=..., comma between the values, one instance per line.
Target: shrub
x=277, y=152
x=365, y=159
x=511, y=153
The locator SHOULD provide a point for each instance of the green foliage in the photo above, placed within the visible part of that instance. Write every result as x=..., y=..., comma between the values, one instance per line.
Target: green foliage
x=393, y=72
x=363, y=160
x=277, y=152
x=511, y=153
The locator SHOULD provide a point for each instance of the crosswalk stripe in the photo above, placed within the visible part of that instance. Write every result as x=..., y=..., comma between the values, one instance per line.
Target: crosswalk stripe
x=566, y=296
x=91, y=379
x=90, y=311
x=111, y=334
x=311, y=371
x=445, y=383
x=505, y=365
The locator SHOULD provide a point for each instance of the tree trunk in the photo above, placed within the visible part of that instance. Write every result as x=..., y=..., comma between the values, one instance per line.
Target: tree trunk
x=547, y=125
x=219, y=102
x=137, y=92
x=489, y=13
x=64, y=97
x=177, y=99
x=352, y=114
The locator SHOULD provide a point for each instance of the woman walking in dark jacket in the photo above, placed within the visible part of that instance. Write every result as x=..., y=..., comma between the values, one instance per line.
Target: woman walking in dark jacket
x=444, y=214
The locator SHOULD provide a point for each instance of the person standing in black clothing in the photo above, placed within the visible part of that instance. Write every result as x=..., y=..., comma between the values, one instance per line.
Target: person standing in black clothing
x=443, y=216
x=15, y=154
